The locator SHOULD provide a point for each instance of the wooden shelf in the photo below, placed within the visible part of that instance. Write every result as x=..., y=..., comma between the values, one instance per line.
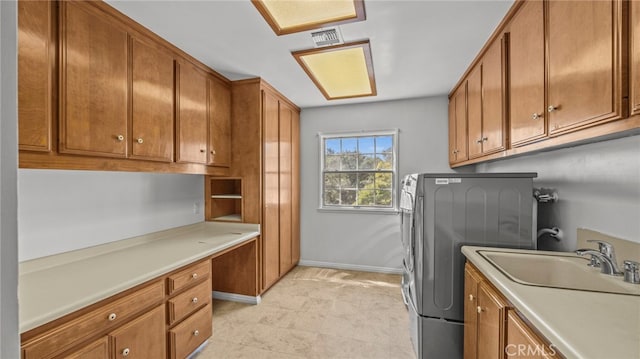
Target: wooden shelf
x=224, y=199
x=228, y=218
x=226, y=196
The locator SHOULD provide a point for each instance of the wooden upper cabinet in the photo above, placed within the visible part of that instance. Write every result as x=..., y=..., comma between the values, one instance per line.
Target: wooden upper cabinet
x=36, y=63
x=152, y=103
x=526, y=69
x=219, y=123
x=474, y=112
x=94, y=82
x=192, y=117
x=493, y=94
x=458, y=125
x=634, y=20
x=584, y=63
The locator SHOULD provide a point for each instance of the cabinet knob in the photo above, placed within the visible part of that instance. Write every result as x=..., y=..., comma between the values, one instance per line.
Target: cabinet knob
x=125, y=352
x=194, y=275
x=196, y=333
x=551, y=108
x=536, y=116
x=140, y=140
x=213, y=152
x=479, y=309
x=201, y=151
x=120, y=138
x=471, y=297
x=112, y=316
x=485, y=139
x=194, y=300
x=455, y=151
x=479, y=141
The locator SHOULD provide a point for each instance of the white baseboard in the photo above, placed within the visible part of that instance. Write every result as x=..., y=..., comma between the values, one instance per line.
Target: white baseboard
x=362, y=268
x=236, y=297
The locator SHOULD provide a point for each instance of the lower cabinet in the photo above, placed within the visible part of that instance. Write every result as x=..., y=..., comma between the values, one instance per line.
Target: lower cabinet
x=492, y=327
x=134, y=324
x=141, y=337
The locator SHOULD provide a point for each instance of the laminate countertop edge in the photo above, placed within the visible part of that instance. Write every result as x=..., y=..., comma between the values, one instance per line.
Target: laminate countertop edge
x=57, y=285
x=580, y=324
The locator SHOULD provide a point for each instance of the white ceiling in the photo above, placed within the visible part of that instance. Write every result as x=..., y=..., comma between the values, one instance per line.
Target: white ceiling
x=419, y=47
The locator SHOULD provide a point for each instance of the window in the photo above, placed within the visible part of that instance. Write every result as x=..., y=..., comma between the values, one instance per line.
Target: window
x=359, y=170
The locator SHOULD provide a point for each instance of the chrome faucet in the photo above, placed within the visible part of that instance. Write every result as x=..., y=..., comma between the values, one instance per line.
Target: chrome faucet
x=606, y=257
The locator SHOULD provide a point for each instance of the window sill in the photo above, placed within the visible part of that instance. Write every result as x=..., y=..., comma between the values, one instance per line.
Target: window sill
x=360, y=210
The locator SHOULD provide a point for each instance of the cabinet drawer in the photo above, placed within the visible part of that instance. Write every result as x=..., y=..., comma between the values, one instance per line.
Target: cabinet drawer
x=107, y=316
x=189, y=275
x=188, y=335
x=187, y=302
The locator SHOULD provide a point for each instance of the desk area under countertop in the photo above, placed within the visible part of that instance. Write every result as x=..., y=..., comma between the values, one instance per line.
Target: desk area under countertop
x=53, y=286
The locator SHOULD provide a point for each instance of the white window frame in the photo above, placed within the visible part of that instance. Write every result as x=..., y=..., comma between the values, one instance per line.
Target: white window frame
x=394, y=171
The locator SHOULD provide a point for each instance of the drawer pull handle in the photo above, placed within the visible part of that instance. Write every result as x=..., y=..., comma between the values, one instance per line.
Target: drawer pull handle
x=125, y=352
x=536, y=116
x=471, y=297
x=120, y=138
x=194, y=300
x=196, y=333
x=194, y=275
x=140, y=140
x=112, y=317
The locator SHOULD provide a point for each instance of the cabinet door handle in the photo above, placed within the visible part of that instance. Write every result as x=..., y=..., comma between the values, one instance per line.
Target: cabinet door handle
x=213, y=152
x=196, y=333
x=125, y=352
x=201, y=151
x=471, y=298
x=194, y=300
x=140, y=140
x=479, y=141
x=120, y=138
x=485, y=139
x=112, y=317
x=552, y=108
x=536, y=116
x=479, y=309
x=194, y=275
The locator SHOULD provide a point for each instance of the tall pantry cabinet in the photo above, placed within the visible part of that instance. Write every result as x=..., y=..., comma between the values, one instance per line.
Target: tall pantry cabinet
x=265, y=151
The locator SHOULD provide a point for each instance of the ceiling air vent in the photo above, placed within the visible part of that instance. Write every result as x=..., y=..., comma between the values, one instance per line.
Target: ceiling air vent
x=327, y=37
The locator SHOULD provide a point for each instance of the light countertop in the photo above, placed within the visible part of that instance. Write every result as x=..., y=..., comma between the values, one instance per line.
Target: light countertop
x=580, y=324
x=53, y=286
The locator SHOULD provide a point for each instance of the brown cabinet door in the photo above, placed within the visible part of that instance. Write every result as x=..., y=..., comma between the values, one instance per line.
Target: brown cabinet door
x=271, y=190
x=522, y=342
x=490, y=329
x=96, y=350
x=526, y=69
x=94, y=83
x=474, y=112
x=219, y=123
x=493, y=118
x=471, y=281
x=458, y=125
x=143, y=337
x=295, y=187
x=584, y=71
x=191, y=119
x=285, y=152
x=36, y=60
x=152, y=103
x=635, y=57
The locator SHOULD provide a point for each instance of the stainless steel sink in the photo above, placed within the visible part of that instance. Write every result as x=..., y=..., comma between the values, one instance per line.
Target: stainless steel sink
x=557, y=271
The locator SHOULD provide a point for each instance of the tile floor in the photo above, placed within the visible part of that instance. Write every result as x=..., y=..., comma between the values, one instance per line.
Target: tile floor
x=316, y=313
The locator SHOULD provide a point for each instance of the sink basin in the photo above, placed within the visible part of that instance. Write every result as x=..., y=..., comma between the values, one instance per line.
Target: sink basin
x=557, y=271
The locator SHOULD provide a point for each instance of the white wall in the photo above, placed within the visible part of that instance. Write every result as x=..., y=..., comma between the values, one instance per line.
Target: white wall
x=61, y=211
x=9, y=339
x=363, y=240
x=598, y=185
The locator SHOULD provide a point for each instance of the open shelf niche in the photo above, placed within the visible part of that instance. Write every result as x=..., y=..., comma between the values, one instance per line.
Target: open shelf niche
x=224, y=199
